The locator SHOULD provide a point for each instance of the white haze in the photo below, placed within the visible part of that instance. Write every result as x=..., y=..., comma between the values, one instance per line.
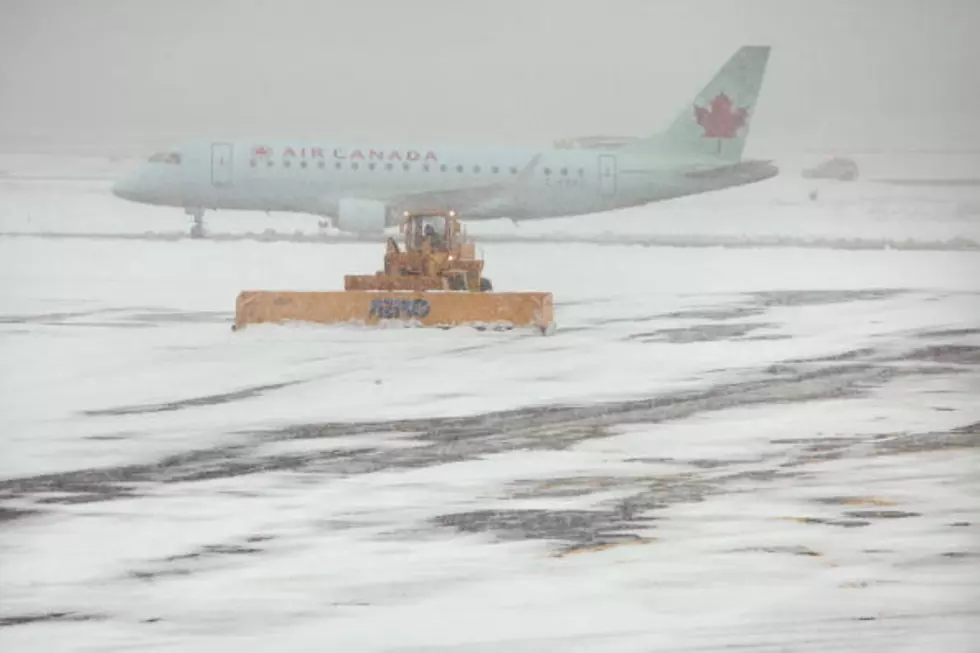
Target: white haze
x=114, y=76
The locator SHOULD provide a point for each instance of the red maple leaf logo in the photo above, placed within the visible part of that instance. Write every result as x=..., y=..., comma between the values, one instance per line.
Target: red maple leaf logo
x=261, y=150
x=720, y=121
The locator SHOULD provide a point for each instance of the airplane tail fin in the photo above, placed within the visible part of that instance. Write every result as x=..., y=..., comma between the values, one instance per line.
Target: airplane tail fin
x=715, y=126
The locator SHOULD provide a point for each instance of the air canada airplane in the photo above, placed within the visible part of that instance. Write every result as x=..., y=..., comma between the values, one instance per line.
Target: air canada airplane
x=365, y=187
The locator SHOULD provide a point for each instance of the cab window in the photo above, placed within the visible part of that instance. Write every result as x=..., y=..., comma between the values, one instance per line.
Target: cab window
x=429, y=226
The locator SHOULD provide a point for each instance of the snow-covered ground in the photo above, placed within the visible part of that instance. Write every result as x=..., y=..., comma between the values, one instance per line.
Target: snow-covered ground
x=761, y=448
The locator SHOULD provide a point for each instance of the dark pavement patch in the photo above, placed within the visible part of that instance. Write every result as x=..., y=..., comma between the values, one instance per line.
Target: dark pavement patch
x=207, y=400
x=21, y=620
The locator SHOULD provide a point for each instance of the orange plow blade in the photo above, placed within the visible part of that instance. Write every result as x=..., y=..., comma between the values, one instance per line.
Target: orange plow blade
x=426, y=308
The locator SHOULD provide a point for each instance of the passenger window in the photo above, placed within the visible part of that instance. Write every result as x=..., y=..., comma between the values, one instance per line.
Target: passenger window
x=338, y=165
x=459, y=168
x=442, y=168
x=389, y=166
x=406, y=166
x=371, y=166
x=287, y=163
x=564, y=172
x=513, y=170
x=302, y=164
x=495, y=169
x=476, y=169
x=355, y=166
x=323, y=164
x=425, y=167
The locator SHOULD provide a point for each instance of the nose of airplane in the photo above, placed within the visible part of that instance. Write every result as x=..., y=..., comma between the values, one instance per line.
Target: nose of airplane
x=126, y=188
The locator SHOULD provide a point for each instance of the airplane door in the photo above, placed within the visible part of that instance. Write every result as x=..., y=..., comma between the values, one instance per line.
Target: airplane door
x=221, y=168
x=607, y=175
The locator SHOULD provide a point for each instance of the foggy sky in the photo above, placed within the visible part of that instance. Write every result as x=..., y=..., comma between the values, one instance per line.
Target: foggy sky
x=110, y=74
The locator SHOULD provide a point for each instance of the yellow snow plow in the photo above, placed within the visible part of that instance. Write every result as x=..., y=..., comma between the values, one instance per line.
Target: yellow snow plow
x=436, y=281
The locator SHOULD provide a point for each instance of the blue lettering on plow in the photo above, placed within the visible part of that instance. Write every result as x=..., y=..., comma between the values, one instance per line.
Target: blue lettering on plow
x=387, y=309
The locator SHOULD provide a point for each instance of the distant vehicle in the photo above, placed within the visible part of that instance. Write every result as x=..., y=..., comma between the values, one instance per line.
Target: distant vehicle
x=838, y=168
x=366, y=187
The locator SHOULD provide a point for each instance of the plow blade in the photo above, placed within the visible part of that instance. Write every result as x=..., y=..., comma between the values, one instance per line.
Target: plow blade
x=425, y=308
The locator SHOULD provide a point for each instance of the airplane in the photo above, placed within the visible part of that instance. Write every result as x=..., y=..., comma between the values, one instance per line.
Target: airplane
x=364, y=188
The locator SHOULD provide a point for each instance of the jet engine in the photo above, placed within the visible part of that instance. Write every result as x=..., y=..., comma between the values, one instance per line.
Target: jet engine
x=362, y=216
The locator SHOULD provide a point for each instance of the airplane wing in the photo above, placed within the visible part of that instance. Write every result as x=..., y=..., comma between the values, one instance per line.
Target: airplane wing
x=463, y=199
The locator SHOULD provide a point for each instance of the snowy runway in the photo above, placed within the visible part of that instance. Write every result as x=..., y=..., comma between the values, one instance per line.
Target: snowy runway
x=771, y=449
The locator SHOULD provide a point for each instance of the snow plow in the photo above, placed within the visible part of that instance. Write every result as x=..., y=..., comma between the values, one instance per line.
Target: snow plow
x=435, y=281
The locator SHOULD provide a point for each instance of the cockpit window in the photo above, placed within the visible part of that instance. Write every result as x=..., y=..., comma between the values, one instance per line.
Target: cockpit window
x=172, y=158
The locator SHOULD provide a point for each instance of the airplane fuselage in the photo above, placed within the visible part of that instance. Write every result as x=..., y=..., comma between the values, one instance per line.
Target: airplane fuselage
x=367, y=186
x=482, y=183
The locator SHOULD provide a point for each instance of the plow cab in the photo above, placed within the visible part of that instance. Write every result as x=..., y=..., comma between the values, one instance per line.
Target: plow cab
x=437, y=256
x=436, y=280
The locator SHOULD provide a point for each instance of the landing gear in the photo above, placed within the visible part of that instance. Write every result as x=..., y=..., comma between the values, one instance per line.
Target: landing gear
x=197, y=229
